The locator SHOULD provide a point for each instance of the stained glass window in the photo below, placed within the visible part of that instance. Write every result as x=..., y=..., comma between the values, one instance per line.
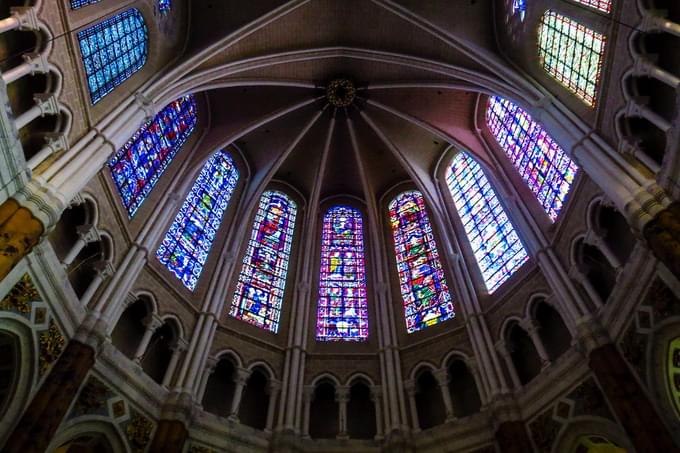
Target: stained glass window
x=262, y=281
x=75, y=4
x=112, y=51
x=426, y=296
x=494, y=241
x=674, y=373
x=164, y=6
x=138, y=165
x=572, y=53
x=519, y=7
x=342, y=312
x=187, y=243
x=601, y=5
x=542, y=164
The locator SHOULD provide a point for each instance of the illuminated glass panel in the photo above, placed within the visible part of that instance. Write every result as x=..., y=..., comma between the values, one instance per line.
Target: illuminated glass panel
x=426, y=296
x=519, y=7
x=572, y=53
x=187, y=243
x=112, y=51
x=674, y=373
x=164, y=6
x=262, y=281
x=138, y=165
x=494, y=241
x=342, y=313
x=542, y=164
x=75, y=4
x=601, y=5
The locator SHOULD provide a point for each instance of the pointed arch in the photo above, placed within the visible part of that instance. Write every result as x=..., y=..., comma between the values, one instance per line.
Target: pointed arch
x=262, y=280
x=342, y=312
x=497, y=248
x=187, y=243
x=426, y=297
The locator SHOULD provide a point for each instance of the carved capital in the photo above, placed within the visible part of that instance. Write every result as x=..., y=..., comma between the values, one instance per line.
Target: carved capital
x=342, y=394
x=241, y=376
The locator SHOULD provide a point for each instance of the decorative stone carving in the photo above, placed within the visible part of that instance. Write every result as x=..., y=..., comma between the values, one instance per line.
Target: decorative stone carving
x=138, y=432
x=51, y=345
x=92, y=398
x=589, y=400
x=21, y=295
x=341, y=93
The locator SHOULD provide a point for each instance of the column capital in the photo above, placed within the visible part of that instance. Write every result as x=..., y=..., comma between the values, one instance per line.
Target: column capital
x=242, y=375
x=47, y=103
x=503, y=348
x=410, y=387
x=103, y=268
x=180, y=346
x=37, y=62
x=342, y=394
x=88, y=233
x=27, y=17
x=376, y=393
x=442, y=377
x=308, y=393
x=211, y=364
x=530, y=326
x=274, y=387
x=152, y=322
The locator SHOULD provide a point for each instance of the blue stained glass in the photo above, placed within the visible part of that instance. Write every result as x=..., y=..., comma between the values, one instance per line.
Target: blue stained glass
x=494, y=241
x=164, y=6
x=540, y=161
x=76, y=4
x=138, y=165
x=262, y=281
x=342, y=313
x=113, y=50
x=426, y=296
x=187, y=243
x=519, y=7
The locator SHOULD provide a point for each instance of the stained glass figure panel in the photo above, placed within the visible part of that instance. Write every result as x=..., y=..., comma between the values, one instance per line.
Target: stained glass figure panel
x=262, y=281
x=572, y=53
x=519, y=7
x=76, y=4
x=424, y=291
x=541, y=162
x=164, y=6
x=601, y=5
x=138, y=165
x=113, y=50
x=342, y=313
x=493, y=239
x=187, y=243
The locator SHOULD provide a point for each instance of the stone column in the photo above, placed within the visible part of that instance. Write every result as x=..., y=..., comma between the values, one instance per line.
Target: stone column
x=103, y=270
x=45, y=104
x=210, y=365
x=22, y=17
x=51, y=402
x=308, y=397
x=152, y=322
x=581, y=278
x=629, y=401
x=502, y=349
x=598, y=241
x=273, y=389
x=177, y=351
x=241, y=379
x=410, y=387
x=442, y=377
x=532, y=329
x=376, y=397
x=34, y=63
x=86, y=234
x=342, y=398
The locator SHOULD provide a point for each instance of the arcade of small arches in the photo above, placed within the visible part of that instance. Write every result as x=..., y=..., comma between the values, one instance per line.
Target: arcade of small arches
x=277, y=238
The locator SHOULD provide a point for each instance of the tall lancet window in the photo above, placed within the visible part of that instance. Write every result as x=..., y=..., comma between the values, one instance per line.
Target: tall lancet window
x=342, y=313
x=76, y=4
x=138, y=165
x=426, y=296
x=113, y=50
x=494, y=241
x=572, y=53
x=543, y=165
x=187, y=243
x=601, y=5
x=262, y=281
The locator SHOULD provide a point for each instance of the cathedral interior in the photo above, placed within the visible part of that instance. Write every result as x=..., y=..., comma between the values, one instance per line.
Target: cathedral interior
x=340, y=226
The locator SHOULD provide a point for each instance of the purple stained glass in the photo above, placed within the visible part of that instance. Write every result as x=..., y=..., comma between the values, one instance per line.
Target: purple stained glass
x=493, y=239
x=426, y=296
x=262, y=281
x=187, y=243
x=138, y=165
x=342, y=313
x=541, y=162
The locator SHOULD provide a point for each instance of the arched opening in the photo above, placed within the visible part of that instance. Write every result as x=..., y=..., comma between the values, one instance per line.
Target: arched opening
x=616, y=232
x=554, y=333
x=524, y=355
x=159, y=352
x=597, y=444
x=255, y=400
x=128, y=333
x=323, y=413
x=463, y=390
x=9, y=370
x=429, y=404
x=65, y=233
x=361, y=421
x=87, y=443
x=220, y=388
x=597, y=270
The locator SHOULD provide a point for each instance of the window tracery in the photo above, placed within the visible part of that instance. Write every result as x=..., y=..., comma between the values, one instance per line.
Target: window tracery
x=572, y=53
x=492, y=237
x=261, y=283
x=138, y=165
x=76, y=4
x=541, y=162
x=342, y=313
x=112, y=51
x=601, y=5
x=187, y=243
x=424, y=291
